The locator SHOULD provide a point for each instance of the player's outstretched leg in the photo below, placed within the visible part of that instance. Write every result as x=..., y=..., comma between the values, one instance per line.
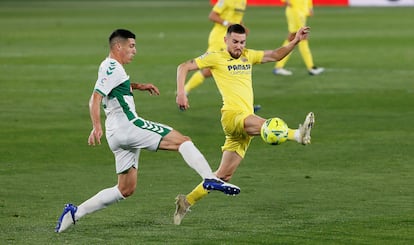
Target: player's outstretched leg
x=305, y=129
x=182, y=207
x=219, y=185
x=67, y=218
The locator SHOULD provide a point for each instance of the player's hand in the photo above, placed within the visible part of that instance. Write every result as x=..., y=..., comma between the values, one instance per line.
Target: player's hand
x=151, y=88
x=303, y=33
x=182, y=101
x=95, y=136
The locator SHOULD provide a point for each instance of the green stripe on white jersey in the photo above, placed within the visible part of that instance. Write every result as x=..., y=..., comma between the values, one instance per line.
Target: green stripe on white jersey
x=158, y=128
x=124, y=89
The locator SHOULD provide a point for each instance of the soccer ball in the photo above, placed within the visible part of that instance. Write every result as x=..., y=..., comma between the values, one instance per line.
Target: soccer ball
x=274, y=131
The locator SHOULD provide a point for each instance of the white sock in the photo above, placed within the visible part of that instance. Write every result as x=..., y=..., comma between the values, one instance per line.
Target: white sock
x=193, y=157
x=101, y=200
x=297, y=136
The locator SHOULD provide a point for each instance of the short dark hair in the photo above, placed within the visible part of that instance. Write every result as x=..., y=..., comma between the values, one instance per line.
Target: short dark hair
x=120, y=34
x=236, y=28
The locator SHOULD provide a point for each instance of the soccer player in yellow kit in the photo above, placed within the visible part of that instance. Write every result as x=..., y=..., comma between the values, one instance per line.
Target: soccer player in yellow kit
x=223, y=14
x=297, y=12
x=232, y=72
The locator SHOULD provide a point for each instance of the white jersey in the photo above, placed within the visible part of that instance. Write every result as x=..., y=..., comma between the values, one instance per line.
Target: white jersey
x=126, y=133
x=113, y=83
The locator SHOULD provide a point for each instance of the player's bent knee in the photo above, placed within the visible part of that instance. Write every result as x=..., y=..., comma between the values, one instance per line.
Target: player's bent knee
x=176, y=137
x=173, y=141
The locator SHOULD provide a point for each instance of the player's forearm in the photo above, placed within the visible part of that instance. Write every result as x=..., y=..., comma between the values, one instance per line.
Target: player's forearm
x=181, y=76
x=302, y=34
x=138, y=86
x=135, y=85
x=182, y=72
x=215, y=17
x=285, y=50
x=279, y=53
x=95, y=110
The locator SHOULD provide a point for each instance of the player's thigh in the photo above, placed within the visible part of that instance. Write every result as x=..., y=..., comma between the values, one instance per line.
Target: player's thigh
x=232, y=122
x=146, y=134
x=295, y=20
x=237, y=144
x=216, y=41
x=126, y=159
x=172, y=141
x=216, y=45
x=237, y=139
x=253, y=124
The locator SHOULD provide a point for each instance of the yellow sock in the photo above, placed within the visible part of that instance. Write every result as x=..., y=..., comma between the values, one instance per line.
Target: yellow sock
x=196, y=80
x=291, y=134
x=198, y=193
x=306, y=54
x=282, y=63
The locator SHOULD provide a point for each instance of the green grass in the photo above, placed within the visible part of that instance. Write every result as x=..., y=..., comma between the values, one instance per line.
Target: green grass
x=353, y=185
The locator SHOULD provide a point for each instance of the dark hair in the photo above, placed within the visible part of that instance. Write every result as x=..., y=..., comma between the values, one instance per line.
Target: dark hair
x=236, y=28
x=120, y=34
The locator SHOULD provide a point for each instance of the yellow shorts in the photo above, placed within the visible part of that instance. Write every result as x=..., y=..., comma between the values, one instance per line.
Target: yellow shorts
x=216, y=46
x=216, y=40
x=295, y=20
x=233, y=126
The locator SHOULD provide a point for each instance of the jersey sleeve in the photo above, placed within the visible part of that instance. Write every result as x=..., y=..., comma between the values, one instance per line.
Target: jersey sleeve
x=220, y=6
x=256, y=56
x=110, y=75
x=205, y=60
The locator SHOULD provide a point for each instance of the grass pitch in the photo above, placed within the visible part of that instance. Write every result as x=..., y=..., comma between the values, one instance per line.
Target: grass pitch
x=353, y=185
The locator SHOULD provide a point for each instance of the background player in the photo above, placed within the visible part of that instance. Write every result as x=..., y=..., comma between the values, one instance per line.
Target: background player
x=297, y=12
x=223, y=14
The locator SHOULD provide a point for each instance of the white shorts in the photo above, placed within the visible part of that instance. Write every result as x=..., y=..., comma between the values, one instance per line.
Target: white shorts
x=129, y=138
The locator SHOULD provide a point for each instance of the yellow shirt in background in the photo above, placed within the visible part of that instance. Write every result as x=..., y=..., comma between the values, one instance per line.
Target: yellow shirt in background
x=233, y=12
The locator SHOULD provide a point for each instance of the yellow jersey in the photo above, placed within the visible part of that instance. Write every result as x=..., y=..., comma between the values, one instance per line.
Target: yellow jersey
x=233, y=12
x=233, y=77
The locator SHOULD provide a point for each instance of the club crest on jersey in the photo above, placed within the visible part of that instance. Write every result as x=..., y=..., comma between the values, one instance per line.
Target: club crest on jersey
x=103, y=80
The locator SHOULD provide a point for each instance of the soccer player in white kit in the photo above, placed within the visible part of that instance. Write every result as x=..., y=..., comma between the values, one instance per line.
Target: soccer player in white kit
x=127, y=133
